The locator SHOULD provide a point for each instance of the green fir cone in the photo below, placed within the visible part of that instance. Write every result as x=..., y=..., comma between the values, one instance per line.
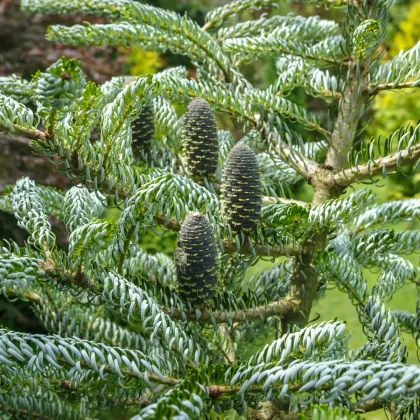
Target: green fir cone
x=142, y=127
x=197, y=260
x=143, y=130
x=241, y=189
x=200, y=142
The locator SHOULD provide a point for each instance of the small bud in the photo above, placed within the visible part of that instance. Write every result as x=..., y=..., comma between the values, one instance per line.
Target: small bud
x=241, y=189
x=200, y=142
x=367, y=38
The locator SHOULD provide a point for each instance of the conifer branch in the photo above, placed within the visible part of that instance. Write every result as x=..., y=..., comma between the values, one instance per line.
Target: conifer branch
x=380, y=166
x=205, y=316
x=273, y=200
x=266, y=45
x=272, y=410
x=228, y=347
x=245, y=249
x=30, y=133
x=374, y=89
x=125, y=249
x=266, y=199
x=306, y=167
x=220, y=14
x=279, y=308
x=53, y=148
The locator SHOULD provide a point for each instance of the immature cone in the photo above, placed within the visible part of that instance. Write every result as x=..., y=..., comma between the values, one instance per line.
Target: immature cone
x=197, y=260
x=200, y=143
x=142, y=127
x=241, y=189
x=143, y=130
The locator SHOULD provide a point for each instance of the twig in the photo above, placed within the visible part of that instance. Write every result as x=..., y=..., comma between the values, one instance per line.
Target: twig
x=24, y=413
x=207, y=26
x=125, y=249
x=279, y=308
x=49, y=132
x=275, y=200
x=374, y=168
x=374, y=89
x=306, y=167
x=245, y=249
x=262, y=251
x=275, y=410
x=31, y=133
x=266, y=199
x=367, y=406
x=227, y=348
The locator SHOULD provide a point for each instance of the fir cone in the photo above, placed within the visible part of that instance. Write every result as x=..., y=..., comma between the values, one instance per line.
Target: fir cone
x=197, y=260
x=142, y=127
x=143, y=130
x=200, y=142
x=241, y=189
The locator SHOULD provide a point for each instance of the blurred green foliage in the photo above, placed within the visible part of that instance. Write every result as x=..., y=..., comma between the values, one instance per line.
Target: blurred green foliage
x=143, y=62
x=409, y=30
x=394, y=109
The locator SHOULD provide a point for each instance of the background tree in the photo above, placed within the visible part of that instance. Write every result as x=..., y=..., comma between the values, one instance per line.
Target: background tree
x=160, y=336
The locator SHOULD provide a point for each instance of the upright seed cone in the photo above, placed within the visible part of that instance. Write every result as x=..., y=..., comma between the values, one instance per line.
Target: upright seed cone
x=241, y=189
x=142, y=127
x=197, y=260
x=143, y=130
x=200, y=143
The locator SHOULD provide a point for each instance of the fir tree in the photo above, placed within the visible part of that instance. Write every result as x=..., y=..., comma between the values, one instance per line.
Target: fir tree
x=159, y=337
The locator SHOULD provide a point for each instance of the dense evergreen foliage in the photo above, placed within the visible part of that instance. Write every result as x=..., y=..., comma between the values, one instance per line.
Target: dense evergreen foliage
x=158, y=336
